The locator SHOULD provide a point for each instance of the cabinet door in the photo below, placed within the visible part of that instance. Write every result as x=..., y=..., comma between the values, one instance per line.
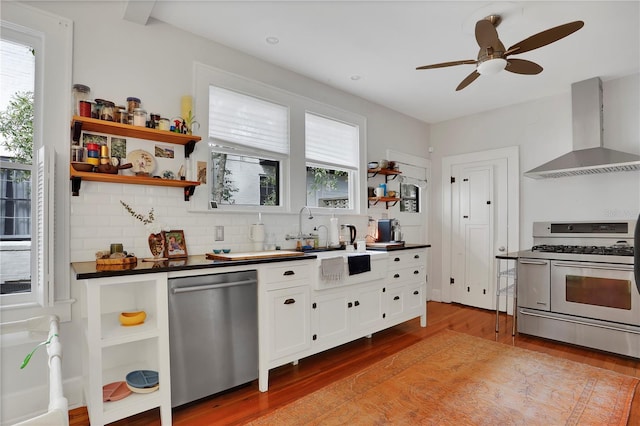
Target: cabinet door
x=394, y=308
x=288, y=322
x=330, y=313
x=415, y=299
x=534, y=284
x=368, y=309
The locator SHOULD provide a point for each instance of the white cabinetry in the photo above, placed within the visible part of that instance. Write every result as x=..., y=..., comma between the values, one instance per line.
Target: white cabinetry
x=341, y=315
x=407, y=286
x=112, y=350
x=284, y=314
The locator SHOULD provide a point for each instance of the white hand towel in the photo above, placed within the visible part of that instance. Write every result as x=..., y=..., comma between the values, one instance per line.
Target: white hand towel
x=331, y=268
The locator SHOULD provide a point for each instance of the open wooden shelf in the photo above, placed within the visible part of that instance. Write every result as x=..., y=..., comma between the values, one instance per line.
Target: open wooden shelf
x=386, y=172
x=387, y=200
x=110, y=127
x=136, y=180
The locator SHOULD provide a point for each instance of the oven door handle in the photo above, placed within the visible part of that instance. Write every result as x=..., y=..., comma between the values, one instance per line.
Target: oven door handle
x=533, y=262
x=608, y=267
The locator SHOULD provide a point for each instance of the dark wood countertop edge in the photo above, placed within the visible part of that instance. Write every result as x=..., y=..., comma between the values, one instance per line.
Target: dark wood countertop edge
x=405, y=247
x=88, y=270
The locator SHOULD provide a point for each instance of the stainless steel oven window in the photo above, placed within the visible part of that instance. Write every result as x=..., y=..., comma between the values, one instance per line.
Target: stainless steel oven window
x=598, y=291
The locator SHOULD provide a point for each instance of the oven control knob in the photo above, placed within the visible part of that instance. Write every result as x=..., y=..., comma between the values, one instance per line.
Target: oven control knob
x=570, y=227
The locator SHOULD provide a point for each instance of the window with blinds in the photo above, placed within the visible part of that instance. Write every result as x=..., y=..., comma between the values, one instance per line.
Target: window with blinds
x=249, y=138
x=332, y=158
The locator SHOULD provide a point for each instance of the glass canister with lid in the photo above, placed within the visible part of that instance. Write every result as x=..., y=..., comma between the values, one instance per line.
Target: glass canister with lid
x=132, y=104
x=139, y=117
x=80, y=94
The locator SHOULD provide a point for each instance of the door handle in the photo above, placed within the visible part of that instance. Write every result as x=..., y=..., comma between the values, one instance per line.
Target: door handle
x=286, y=273
x=290, y=301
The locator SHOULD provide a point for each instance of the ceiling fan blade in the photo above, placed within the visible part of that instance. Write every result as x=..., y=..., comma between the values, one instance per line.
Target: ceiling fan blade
x=545, y=37
x=521, y=66
x=468, y=80
x=486, y=34
x=447, y=64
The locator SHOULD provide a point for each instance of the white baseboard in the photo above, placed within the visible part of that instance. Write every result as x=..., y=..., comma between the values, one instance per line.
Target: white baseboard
x=26, y=404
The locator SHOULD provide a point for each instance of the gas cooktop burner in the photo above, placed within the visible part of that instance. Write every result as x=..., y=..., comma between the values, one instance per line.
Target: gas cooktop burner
x=616, y=250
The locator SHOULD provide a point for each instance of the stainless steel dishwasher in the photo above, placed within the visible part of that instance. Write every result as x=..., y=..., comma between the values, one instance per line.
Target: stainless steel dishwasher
x=213, y=333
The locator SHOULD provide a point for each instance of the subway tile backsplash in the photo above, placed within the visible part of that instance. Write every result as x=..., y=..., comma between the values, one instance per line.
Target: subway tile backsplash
x=98, y=219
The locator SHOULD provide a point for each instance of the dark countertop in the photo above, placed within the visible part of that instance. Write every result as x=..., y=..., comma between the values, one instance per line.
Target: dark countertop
x=85, y=270
x=396, y=248
x=511, y=255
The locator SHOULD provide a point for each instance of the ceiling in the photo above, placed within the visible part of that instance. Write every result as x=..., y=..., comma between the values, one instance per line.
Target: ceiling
x=371, y=48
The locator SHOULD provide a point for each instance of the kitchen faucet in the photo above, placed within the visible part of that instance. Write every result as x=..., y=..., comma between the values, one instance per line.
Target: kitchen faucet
x=300, y=220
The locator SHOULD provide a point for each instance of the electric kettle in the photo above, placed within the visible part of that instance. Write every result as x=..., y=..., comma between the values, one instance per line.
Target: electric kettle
x=348, y=234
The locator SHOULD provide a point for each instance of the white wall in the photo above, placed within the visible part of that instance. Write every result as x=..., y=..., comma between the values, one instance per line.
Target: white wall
x=118, y=59
x=542, y=130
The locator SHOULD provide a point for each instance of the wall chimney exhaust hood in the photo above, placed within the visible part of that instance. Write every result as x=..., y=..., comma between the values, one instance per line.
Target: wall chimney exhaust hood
x=589, y=156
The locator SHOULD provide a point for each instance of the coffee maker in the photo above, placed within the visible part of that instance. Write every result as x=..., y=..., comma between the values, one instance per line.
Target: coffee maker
x=389, y=230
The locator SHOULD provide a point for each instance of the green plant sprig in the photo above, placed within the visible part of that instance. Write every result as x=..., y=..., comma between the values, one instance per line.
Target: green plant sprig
x=146, y=220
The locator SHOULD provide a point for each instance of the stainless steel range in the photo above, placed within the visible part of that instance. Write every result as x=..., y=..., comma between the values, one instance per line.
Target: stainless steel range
x=577, y=285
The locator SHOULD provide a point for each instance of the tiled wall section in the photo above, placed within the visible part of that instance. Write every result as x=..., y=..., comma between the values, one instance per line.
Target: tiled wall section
x=98, y=219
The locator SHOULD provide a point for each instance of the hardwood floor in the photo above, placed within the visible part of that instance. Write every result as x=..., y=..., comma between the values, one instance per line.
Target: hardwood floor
x=288, y=383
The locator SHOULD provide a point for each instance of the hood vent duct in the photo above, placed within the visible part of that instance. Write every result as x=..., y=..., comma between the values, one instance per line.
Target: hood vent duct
x=588, y=155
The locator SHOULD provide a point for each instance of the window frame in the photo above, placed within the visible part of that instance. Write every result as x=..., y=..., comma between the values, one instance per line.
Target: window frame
x=51, y=89
x=294, y=172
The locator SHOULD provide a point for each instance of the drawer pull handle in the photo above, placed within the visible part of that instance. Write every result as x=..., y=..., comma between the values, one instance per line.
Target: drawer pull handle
x=396, y=298
x=397, y=259
x=416, y=256
x=286, y=273
x=349, y=305
x=356, y=303
x=416, y=292
x=416, y=272
x=290, y=301
x=396, y=276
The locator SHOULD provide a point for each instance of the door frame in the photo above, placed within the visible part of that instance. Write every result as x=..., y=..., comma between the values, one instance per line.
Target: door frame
x=513, y=204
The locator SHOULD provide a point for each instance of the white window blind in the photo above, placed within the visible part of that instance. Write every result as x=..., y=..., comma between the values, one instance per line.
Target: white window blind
x=248, y=121
x=330, y=141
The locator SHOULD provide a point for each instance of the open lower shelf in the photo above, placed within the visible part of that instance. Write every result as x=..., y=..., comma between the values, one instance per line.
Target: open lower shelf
x=387, y=200
x=77, y=177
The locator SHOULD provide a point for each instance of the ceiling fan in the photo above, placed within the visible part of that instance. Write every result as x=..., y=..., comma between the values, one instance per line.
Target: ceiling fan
x=493, y=57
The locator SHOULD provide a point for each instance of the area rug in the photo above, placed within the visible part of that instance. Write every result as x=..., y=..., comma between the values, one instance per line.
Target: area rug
x=456, y=379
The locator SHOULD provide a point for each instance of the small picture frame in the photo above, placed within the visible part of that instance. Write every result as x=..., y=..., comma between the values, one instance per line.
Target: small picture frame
x=176, y=245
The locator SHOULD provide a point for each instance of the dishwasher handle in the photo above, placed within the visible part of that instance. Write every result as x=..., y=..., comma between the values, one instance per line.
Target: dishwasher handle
x=211, y=286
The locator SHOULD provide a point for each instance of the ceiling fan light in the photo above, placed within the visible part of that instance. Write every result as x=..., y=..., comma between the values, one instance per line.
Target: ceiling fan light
x=492, y=66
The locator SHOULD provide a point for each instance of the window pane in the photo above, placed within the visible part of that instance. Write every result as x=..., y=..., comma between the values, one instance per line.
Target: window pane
x=328, y=188
x=245, y=180
x=17, y=71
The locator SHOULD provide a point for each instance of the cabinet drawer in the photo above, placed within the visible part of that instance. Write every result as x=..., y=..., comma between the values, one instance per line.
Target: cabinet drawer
x=287, y=273
x=414, y=274
x=404, y=259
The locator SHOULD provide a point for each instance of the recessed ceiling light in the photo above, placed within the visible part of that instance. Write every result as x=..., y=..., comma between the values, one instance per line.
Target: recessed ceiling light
x=272, y=40
x=355, y=77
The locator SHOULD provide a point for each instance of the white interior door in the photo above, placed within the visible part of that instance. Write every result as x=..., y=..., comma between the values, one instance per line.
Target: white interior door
x=480, y=220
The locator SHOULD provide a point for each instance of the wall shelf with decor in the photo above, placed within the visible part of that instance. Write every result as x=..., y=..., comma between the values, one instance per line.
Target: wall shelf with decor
x=78, y=124
x=77, y=177
x=389, y=174
x=387, y=200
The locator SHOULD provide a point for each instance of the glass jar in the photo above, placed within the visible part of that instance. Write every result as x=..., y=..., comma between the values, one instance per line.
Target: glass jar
x=132, y=104
x=139, y=117
x=124, y=116
x=164, y=124
x=80, y=93
x=108, y=111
